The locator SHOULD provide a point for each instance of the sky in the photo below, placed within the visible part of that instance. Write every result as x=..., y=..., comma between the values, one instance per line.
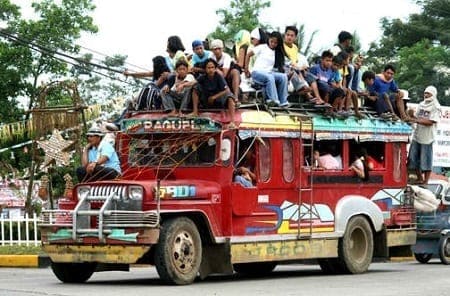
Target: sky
x=140, y=28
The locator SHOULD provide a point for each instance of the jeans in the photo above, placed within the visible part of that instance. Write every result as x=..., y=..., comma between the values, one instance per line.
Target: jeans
x=275, y=85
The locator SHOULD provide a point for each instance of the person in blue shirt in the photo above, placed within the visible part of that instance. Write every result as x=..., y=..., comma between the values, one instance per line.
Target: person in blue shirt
x=199, y=57
x=389, y=97
x=99, y=159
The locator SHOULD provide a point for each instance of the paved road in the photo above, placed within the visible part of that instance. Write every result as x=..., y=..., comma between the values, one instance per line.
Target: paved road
x=406, y=278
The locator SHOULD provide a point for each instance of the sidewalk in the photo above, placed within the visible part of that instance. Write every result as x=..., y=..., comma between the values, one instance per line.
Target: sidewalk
x=24, y=261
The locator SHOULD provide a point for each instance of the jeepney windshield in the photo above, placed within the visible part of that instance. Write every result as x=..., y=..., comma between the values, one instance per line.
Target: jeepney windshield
x=178, y=149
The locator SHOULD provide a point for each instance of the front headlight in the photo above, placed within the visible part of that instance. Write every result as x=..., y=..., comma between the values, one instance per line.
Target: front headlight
x=83, y=191
x=135, y=192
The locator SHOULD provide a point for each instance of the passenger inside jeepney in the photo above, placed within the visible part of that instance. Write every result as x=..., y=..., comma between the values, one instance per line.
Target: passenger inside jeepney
x=375, y=153
x=245, y=171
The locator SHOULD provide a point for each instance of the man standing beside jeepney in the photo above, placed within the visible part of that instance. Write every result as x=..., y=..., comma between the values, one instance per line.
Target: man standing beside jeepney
x=420, y=157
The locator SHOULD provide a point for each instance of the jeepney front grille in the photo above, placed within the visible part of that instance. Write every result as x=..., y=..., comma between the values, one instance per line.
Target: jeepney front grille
x=102, y=191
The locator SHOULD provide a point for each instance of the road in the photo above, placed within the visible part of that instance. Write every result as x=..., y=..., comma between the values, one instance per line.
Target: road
x=405, y=278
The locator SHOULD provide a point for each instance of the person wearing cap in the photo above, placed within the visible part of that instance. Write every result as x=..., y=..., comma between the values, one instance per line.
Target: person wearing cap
x=426, y=117
x=224, y=62
x=199, y=57
x=99, y=160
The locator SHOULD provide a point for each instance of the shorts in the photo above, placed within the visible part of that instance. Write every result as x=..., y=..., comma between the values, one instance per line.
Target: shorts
x=420, y=156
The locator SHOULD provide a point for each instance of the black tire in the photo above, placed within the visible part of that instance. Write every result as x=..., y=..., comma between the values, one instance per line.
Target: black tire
x=255, y=269
x=178, y=254
x=444, y=250
x=356, y=247
x=423, y=257
x=73, y=272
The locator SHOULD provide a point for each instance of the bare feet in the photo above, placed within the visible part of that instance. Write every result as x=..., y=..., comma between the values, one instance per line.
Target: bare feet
x=193, y=114
x=173, y=113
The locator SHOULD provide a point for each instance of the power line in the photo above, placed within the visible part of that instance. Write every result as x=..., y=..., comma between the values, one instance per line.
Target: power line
x=63, y=56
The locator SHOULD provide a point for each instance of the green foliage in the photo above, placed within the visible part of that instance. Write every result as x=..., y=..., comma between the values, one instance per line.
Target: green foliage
x=421, y=65
x=419, y=47
x=56, y=28
x=241, y=15
x=21, y=250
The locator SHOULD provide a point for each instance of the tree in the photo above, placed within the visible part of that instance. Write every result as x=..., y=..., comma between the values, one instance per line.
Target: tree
x=55, y=31
x=419, y=47
x=241, y=15
x=10, y=76
x=421, y=65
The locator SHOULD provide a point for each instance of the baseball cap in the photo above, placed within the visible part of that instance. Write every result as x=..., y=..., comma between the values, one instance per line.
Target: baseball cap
x=216, y=43
x=95, y=131
x=196, y=43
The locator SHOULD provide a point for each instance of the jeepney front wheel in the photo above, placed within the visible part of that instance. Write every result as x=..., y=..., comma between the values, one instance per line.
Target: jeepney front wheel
x=356, y=247
x=444, y=250
x=73, y=272
x=178, y=252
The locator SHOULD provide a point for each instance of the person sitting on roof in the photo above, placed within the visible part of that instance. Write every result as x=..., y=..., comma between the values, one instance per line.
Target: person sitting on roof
x=389, y=97
x=99, y=159
x=178, y=92
x=212, y=91
x=268, y=70
x=199, y=57
x=226, y=67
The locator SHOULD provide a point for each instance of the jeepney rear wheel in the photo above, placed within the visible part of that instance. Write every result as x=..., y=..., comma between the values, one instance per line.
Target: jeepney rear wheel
x=444, y=250
x=423, y=257
x=73, y=272
x=255, y=269
x=356, y=247
x=178, y=253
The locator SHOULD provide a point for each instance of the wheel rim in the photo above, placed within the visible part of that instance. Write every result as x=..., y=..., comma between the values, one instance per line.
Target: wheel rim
x=183, y=254
x=358, y=244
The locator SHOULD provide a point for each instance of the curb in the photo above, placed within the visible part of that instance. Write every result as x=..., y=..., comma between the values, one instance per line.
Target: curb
x=39, y=261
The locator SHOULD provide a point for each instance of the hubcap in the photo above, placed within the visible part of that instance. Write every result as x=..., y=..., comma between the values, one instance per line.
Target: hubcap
x=183, y=252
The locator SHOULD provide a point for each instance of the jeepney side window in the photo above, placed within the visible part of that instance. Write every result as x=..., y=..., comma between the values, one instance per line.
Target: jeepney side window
x=288, y=160
x=397, y=161
x=375, y=153
x=265, y=160
x=179, y=150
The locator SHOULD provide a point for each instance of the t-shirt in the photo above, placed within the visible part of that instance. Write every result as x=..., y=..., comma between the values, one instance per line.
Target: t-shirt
x=198, y=61
x=211, y=86
x=264, y=58
x=105, y=149
x=187, y=78
x=380, y=86
x=224, y=61
x=425, y=134
x=292, y=53
x=328, y=162
x=322, y=74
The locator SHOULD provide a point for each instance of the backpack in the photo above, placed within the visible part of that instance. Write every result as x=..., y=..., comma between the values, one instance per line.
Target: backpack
x=149, y=98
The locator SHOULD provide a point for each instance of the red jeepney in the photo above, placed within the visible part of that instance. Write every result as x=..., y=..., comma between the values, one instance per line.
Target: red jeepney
x=177, y=204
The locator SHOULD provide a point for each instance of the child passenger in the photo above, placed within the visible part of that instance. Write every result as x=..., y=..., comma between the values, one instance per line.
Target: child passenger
x=177, y=94
x=212, y=92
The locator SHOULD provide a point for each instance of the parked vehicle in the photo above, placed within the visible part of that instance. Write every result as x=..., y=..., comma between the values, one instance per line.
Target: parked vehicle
x=177, y=204
x=433, y=227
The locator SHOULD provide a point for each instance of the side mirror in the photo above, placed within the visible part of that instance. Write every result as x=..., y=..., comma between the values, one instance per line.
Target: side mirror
x=225, y=151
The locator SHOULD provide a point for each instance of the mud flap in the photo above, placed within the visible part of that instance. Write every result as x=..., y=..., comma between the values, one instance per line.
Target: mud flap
x=216, y=259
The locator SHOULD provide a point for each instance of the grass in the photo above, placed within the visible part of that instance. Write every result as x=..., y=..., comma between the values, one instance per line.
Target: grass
x=21, y=250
